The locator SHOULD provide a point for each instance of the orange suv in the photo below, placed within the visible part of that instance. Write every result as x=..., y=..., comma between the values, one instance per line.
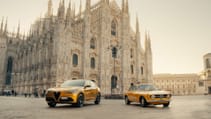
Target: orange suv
x=74, y=92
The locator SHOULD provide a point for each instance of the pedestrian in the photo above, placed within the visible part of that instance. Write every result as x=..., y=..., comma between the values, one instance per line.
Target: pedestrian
x=132, y=87
x=12, y=92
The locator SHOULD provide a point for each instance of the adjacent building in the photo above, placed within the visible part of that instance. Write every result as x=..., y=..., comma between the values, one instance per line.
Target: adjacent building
x=187, y=84
x=178, y=84
x=206, y=74
x=98, y=44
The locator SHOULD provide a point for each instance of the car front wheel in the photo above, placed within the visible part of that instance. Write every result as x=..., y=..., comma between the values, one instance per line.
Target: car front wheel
x=127, y=101
x=52, y=104
x=143, y=102
x=166, y=105
x=97, y=100
x=80, y=101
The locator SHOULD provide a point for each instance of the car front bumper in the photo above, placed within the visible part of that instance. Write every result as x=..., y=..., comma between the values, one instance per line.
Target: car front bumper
x=62, y=98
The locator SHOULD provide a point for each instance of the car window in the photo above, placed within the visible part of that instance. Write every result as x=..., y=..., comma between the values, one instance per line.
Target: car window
x=92, y=84
x=73, y=83
x=133, y=88
x=147, y=88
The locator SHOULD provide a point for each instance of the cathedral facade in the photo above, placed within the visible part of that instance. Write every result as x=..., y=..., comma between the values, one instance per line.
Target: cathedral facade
x=98, y=44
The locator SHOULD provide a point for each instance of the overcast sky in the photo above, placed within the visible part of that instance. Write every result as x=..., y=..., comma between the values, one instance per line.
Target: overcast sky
x=180, y=29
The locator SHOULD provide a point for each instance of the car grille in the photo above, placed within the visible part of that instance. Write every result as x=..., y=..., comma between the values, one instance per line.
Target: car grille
x=161, y=96
x=56, y=95
x=49, y=99
x=66, y=100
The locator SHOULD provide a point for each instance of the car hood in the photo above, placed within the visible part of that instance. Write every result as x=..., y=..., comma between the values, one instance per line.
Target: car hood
x=153, y=92
x=159, y=92
x=65, y=88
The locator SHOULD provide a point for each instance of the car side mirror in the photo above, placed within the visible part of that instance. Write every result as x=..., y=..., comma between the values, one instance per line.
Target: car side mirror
x=87, y=86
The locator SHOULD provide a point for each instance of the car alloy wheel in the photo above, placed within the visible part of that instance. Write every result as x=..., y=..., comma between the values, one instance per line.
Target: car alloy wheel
x=97, y=100
x=127, y=102
x=143, y=102
x=52, y=104
x=80, y=102
x=166, y=105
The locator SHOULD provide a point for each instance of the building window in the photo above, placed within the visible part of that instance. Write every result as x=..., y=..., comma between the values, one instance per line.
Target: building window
x=131, y=53
x=92, y=43
x=208, y=63
x=93, y=63
x=142, y=71
x=9, y=71
x=113, y=82
x=75, y=60
x=132, y=71
x=113, y=28
x=201, y=83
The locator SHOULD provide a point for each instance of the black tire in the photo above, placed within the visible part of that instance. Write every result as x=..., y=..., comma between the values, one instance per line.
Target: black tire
x=143, y=102
x=80, y=100
x=127, y=101
x=52, y=104
x=97, y=100
x=166, y=105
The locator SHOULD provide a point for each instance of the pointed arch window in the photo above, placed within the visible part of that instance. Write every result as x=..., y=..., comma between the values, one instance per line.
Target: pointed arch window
x=131, y=53
x=92, y=63
x=208, y=63
x=132, y=70
x=9, y=71
x=113, y=28
x=92, y=43
x=75, y=60
x=142, y=70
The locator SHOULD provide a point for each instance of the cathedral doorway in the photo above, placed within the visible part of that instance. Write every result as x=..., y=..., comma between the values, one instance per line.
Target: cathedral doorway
x=9, y=71
x=113, y=82
x=209, y=90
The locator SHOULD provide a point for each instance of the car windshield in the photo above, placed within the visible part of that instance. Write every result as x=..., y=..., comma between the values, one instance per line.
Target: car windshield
x=70, y=83
x=146, y=88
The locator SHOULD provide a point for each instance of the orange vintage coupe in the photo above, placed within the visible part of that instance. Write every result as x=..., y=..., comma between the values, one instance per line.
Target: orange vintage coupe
x=74, y=92
x=146, y=94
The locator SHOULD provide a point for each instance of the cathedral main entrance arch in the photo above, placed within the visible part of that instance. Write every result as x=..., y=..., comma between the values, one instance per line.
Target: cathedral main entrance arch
x=113, y=82
x=8, y=79
x=209, y=90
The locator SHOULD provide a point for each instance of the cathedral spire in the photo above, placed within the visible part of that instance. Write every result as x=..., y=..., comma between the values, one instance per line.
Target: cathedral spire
x=61, y=10
x=149, y=43
x=18, y=30
x=73, y=12
x=5, y=27
x=127, y=7
x=50, y=9
x=137, y=25
x=88, y=5
x=105, y=1
x=68, y=14
x=2, y=25
x=138, y=39
x=146, y=37
x=63, y=3
x=123, y=5
x=80, y=9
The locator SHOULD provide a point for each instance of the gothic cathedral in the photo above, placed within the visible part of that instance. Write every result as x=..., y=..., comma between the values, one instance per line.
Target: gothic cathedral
x=98, y=44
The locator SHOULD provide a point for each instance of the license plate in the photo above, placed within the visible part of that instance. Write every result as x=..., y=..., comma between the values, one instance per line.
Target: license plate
x=64, y=98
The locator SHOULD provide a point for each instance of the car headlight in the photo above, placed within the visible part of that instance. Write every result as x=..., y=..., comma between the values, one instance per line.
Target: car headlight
x=169, y=95
x=152, y=96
